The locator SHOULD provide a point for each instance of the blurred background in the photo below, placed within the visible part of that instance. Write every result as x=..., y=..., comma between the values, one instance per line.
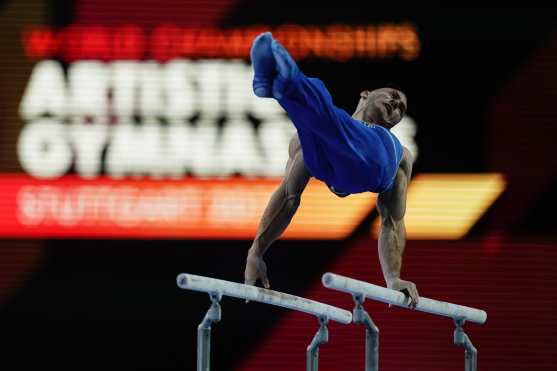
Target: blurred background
x=132, y=149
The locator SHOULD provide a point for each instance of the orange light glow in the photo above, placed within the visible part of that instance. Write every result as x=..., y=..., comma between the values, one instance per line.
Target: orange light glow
x=188, y=208
x=324, y=215
x=440, y=206
x=446, y=206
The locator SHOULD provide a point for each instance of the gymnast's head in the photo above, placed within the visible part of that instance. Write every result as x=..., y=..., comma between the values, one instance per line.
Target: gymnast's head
x=384, y=106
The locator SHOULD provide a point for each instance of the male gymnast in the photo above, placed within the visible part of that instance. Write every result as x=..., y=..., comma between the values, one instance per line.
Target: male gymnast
x=350, y=154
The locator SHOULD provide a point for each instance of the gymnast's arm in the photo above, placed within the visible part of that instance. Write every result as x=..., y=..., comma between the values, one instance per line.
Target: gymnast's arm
x=277, y=215
x=392, y=235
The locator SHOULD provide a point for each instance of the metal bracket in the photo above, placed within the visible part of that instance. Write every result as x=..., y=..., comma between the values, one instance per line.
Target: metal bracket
x=320, y=338
x=470, y=352
x=360, y=316
x=213, y=315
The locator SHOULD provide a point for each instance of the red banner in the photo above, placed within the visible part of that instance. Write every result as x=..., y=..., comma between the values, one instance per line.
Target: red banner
x=192, y=208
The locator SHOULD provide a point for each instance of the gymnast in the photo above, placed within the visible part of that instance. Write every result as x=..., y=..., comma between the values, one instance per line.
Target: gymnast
x=350, y=154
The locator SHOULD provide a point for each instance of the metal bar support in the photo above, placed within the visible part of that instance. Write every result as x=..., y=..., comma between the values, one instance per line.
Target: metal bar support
x=320, y=338
x=360, y=316
x=470, y=352
x=213, y=315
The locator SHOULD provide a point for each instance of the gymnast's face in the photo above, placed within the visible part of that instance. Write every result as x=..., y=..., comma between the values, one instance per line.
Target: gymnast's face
x=385, y=106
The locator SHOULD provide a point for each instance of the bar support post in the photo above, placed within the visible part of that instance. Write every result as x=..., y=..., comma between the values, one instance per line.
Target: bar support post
x=213, y=315
x=312, y=352
x=360, y=316
x=470, y=352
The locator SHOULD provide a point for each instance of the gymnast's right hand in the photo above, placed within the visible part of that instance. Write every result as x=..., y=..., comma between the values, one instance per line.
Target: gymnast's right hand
x=256, y=269
x=408, y=288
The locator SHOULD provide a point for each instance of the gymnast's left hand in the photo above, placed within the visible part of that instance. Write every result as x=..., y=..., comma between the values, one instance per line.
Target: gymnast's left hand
x=256, y=269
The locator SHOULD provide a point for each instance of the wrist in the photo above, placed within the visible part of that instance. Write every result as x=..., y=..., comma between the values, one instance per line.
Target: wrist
x=255, y=251
x=390, y=281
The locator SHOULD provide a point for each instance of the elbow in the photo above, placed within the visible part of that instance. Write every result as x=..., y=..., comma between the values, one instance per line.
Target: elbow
x=392, y=224
x=292, y=202
x=388, y=222
x=398, y=212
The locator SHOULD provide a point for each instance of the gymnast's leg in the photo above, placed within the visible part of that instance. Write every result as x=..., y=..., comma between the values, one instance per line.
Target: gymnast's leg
x=306, y=100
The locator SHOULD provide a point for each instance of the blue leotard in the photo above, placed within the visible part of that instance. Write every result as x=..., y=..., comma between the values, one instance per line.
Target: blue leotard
x=349, y=155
